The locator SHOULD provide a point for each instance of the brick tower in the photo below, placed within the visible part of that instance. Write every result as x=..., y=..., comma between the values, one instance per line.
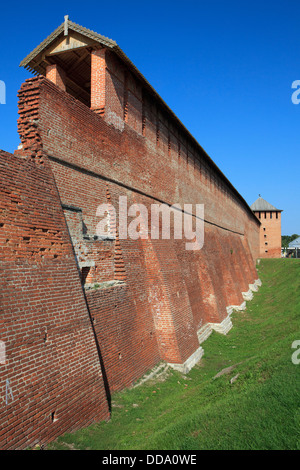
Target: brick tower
x=270, y=229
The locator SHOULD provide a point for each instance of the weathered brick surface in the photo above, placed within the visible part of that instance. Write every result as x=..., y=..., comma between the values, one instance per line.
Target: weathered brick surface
x=93, y=160
x=52, y=380
x=159, y=293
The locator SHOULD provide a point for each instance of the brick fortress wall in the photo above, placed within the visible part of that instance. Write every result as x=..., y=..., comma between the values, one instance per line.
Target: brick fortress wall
x=168, y=293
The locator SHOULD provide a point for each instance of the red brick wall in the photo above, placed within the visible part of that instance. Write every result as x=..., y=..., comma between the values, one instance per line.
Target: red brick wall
x=126, y=333
x=270, y=234
x=137, y=162
x=52, y=381
x=139, y=152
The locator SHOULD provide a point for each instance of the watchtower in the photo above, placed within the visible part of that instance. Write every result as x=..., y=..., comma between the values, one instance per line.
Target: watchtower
x=270, y=230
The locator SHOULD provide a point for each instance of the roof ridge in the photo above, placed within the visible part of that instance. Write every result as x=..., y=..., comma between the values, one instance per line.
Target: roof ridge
x=90, y=31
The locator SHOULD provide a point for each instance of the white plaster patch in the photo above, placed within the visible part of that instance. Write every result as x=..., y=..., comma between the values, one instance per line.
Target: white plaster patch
x=112, y=118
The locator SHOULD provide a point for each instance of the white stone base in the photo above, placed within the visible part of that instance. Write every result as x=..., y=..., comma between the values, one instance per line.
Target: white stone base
x=229, y=310
x=222, y=327
x=238, y=308
x=189, y=363
x=253, y=287
x=157, y=371
x=248, y=295
x=204, y=333
x=258, y=282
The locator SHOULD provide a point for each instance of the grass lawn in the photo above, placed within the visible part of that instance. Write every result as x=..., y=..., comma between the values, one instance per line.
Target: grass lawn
x=260, y=409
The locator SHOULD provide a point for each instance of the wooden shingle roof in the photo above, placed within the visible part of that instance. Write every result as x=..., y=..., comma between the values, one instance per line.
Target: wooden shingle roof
x=261, y=205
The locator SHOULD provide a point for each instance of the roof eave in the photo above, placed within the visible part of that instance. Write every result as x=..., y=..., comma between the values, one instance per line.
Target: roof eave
x=26, y=61
x=266, y=210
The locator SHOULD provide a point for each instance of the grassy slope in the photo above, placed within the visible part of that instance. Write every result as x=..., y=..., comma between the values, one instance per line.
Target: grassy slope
x=259, y=410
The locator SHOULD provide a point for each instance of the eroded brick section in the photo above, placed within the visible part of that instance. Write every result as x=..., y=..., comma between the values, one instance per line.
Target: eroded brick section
x=29, y=119
x=119, y=266
x=51, y=382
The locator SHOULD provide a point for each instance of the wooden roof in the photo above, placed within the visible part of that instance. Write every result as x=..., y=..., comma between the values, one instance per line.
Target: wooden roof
x=70, y=45
x=261, y=205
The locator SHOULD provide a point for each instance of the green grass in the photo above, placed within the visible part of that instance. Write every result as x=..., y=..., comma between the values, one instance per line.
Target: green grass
x=259, y=410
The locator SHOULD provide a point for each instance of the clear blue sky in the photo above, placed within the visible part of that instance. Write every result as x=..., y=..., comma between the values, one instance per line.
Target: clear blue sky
x=224, y=67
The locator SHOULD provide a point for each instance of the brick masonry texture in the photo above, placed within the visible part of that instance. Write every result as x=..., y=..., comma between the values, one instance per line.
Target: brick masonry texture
x=92, y=159
x=52, y=380
x=147, y=298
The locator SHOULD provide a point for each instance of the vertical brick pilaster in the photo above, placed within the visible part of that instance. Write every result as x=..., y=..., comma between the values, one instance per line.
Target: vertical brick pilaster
x=98, y=70
x=57, y=75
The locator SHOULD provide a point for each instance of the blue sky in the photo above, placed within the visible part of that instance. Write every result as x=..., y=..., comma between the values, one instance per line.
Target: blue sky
x=225, y=68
